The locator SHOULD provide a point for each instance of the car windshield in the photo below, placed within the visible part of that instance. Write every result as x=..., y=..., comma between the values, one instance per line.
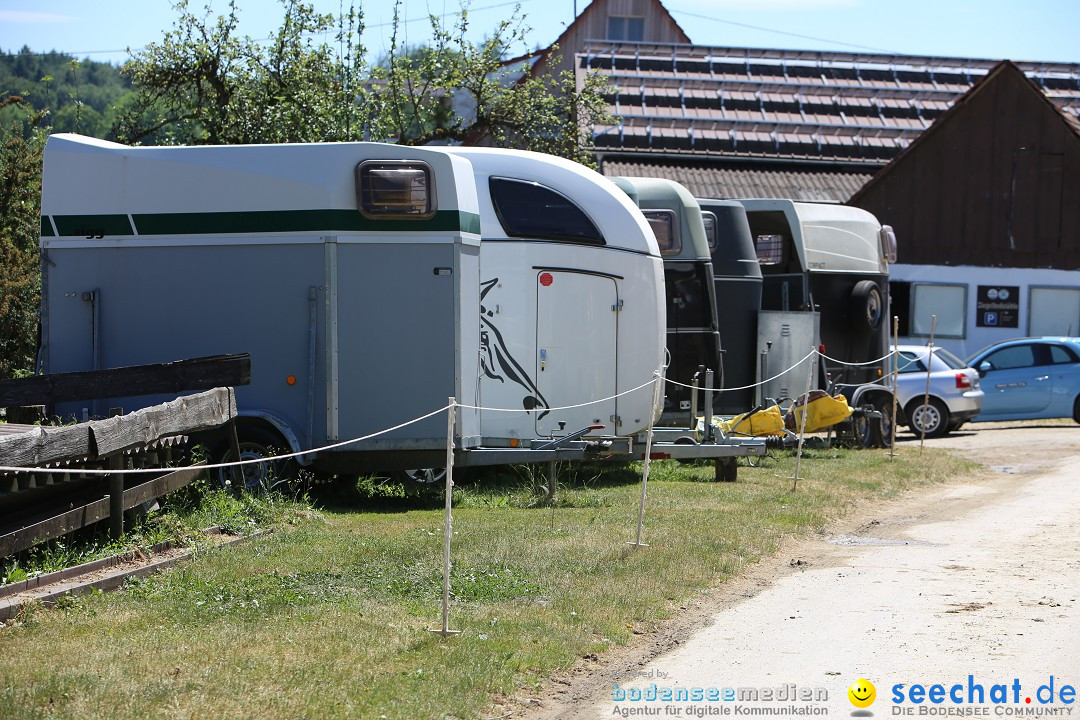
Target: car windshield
x=949, y=359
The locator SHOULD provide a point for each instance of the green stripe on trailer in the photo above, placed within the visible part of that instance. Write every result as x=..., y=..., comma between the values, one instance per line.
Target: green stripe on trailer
x=90, y=226
x=46, y=227
x=267, y=221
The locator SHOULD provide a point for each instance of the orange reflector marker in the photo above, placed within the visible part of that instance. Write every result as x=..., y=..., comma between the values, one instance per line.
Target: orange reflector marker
x=514, y=442
x=291, y=379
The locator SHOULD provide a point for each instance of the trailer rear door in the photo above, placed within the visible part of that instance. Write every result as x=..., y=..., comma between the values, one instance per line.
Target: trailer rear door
x=576, y=339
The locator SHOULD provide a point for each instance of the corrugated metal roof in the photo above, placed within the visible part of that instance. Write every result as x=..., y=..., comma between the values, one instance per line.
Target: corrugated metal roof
x=728, y=183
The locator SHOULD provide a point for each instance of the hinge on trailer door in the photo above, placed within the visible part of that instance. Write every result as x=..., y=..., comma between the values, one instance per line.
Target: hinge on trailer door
x=616, y=420
x=617, y=306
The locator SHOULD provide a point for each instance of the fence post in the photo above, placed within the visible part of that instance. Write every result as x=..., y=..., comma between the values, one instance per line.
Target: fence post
x=926, y=396
x=895, y=382
x=648, y=460
x=802, y=425
x=448, y=521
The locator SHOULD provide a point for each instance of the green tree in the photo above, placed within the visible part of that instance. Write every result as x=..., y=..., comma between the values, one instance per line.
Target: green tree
x=205, y=84
x=453, y=90
x=20, y=210
x=80, y=95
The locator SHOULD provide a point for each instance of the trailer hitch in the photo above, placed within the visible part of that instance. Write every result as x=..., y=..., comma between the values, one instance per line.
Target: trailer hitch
x=567, y=439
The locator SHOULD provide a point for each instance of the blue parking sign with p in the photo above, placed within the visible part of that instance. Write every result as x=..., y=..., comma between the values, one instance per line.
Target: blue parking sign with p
x=990, y=319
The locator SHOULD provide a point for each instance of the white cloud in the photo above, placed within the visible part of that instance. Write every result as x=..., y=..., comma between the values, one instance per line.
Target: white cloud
x=28, y=16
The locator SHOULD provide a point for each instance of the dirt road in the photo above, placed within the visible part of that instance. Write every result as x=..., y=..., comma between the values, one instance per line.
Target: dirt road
x=968, y=586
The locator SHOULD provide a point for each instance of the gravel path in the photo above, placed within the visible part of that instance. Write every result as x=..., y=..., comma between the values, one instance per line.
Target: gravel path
x=978, y=578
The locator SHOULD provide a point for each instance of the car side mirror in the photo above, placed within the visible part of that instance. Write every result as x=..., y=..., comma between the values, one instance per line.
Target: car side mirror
x=984, y=367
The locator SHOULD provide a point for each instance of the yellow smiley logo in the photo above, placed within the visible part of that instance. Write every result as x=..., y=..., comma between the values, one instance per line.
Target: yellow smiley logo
x=862, y=693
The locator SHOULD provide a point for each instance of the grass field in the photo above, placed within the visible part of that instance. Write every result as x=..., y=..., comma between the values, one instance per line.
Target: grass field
x=328, y=616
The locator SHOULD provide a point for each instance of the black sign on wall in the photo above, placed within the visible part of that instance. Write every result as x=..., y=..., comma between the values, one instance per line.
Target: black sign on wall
x=998, y=306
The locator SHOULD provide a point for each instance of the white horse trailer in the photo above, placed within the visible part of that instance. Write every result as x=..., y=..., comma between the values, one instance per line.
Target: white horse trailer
x=570, y=277
x=355, y=276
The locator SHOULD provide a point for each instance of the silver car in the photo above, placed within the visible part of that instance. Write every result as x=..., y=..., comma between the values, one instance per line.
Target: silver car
x=954, y=396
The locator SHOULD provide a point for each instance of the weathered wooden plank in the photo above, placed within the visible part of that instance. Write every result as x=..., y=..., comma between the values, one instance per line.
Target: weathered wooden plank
x=174, y=377
x=42, y=445
x=160, y=486
x=188, y=414
x=79, y=570
x=54, y=527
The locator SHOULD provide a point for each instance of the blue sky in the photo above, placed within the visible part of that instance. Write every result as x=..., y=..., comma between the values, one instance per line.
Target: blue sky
x=994, y=29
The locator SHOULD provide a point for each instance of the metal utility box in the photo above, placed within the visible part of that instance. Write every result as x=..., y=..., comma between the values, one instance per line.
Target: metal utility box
x=785, y=338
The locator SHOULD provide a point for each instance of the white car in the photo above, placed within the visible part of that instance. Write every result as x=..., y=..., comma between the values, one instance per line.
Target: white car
x=954, y=395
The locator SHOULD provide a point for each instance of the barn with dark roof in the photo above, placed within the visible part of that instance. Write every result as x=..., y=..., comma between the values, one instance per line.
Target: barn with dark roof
x=885, y=132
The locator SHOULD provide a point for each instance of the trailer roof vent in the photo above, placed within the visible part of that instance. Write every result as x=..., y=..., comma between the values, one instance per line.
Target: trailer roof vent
x=666, y=231
x=395, y=188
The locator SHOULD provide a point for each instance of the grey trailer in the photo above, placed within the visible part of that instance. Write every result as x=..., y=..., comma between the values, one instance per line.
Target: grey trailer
x=693, y=340
x=351, y=273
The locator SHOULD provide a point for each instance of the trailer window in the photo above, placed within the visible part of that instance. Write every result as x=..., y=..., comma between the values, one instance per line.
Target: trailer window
x=770, y=249
x=665, y=229
x=709, y=220
x=388, y=188
x=773, y=242
x=528, y=209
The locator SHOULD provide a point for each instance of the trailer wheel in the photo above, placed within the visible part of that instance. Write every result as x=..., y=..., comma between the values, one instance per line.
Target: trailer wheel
x=869, y=432
x=884, y=406
x=931, y=418
x=867, y=306
x=425, y=476
x=256, y=442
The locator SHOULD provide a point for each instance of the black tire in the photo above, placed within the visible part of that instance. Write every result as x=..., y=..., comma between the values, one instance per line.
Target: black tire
x=867, y=307
x=1076, y=409
x=884, y=405
x=255, y=442
x=934, y=414
x=424, y=476
x=868, y=430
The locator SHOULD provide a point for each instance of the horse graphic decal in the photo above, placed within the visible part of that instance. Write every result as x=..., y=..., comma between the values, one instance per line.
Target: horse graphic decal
x=497, y=363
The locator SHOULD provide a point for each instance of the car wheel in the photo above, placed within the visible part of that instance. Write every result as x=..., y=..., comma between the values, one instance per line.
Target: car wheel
x=255, y=443
x=867, y=306
x=931, y=418
x=1076, y=409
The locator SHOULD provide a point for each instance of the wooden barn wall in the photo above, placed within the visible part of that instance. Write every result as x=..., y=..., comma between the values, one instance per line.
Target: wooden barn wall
x=592, y=25
x=996, y=184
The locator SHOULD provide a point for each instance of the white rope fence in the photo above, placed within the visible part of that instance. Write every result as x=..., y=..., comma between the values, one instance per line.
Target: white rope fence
x=657, y=381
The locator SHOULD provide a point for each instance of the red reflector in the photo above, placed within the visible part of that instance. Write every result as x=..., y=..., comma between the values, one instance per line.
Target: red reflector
x=962, y=380
x=546, y=279
x=659, y=456
x=821, y=349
